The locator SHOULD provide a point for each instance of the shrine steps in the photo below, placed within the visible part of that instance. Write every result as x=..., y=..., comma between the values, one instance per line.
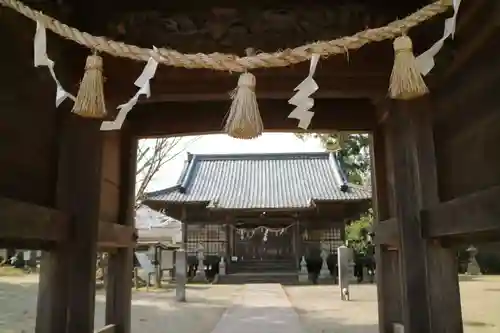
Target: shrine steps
x=258, y=266
x=285, y=278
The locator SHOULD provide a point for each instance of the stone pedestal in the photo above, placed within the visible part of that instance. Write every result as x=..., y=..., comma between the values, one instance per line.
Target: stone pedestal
x=180, y=275
x=303, y=273
x=345, y=268
x=325, y=272
x=222, y=266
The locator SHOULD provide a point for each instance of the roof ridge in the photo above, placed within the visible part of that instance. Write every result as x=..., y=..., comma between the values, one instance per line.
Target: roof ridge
x=227, y=156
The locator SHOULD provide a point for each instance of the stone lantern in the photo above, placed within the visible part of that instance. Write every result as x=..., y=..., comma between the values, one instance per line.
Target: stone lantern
x=200, y=270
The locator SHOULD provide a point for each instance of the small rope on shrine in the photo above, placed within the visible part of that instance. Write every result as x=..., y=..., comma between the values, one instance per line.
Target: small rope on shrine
x=243, y=119
x=231, y=62
x=89, y=102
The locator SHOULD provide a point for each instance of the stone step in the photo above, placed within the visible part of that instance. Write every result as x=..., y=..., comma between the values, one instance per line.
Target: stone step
x=263, y=267
x=262, y=277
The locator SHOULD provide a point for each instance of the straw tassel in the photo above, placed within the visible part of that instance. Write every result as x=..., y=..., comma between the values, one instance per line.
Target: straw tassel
x=406, y=80
x=89, y=102
x=243, y=120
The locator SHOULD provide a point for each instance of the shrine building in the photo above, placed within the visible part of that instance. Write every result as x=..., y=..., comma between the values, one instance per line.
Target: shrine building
x=262, y=212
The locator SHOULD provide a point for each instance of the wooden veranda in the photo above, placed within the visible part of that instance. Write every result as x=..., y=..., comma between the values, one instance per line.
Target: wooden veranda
x=68, y=188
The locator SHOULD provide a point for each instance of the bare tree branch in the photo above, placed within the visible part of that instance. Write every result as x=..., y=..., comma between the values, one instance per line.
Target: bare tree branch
x=151, y=157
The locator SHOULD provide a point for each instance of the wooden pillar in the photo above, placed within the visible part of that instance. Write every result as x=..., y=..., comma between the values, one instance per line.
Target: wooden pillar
x=428, y=272
x=184, y=228
x=157, y=257
x=298, y=242
x=53, y=292
x=53, y=285
x=387, y=270
x=119, y=292
x=78, y=189
x=229, y=245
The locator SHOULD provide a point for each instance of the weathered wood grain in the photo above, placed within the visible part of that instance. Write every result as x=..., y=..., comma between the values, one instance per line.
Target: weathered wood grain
x=26, y=221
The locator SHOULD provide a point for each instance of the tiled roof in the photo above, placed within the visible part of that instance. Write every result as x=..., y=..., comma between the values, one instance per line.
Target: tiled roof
x=155, y=226
x=261, y=181
x=147, y=218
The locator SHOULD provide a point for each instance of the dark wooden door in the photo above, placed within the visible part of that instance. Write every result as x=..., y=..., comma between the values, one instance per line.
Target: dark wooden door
x=260, y=245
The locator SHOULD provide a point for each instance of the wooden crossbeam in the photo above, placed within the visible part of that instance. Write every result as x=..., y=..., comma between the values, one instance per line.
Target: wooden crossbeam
x=22, y=222
x=113, y=235
x=475, y=213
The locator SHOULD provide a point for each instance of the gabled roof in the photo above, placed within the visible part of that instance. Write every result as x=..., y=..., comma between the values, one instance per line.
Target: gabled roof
x=147, y=218
x=155, y=226
x=261, y=181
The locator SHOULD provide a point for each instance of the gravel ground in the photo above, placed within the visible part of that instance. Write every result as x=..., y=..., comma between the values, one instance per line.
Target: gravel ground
x=152, y=312
x=327, y=314
x=319, y=307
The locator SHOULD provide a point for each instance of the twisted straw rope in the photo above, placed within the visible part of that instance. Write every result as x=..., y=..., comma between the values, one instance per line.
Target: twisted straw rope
x=231, y=62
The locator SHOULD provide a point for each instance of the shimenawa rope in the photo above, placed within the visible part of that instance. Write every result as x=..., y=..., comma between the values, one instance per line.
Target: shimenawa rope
x=231, y=62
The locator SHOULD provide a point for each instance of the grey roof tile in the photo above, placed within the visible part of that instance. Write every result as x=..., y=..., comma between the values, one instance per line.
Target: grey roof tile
x=261, y=181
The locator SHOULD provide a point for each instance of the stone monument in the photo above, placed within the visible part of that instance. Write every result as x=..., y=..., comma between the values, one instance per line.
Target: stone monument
x=473, y=267
x=303, y=273
x=345, y=268
x=325, y=253
x=180, y=275
x=222, y=266
x=200, y=269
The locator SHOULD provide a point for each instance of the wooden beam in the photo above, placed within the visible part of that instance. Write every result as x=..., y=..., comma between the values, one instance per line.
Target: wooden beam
x=477, y=39
x=386, y=233
x=119, y=290
x=388, y=270
x=475, y=213
x=156, y=119
x=79, y=191
x=429, y=278
x=464, y=217
x=360, y=76
x=22, y=221
x=113, y=235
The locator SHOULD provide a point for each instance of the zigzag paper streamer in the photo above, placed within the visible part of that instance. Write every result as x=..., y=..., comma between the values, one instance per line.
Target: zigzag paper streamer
x=425, y=61
x=41, y=58
x=144, y=86
x=301, y=100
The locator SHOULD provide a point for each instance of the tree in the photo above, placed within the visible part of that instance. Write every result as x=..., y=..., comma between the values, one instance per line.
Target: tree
x=357, y=233
x=151, y=156
x=352, y=151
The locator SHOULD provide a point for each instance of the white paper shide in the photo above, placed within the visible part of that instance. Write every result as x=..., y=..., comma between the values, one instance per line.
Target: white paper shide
x=41, y=59
x=143, y=83
x=425, y=61
x=301, y=100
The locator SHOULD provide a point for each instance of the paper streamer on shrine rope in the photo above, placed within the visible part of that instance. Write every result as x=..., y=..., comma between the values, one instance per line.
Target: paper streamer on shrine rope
x=41, y=59
x=143, y=83
x=302, y=100
x=425, y=61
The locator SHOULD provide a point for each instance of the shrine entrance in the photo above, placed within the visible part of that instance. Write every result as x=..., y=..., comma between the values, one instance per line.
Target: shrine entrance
x=81, y=180
x=264, y=244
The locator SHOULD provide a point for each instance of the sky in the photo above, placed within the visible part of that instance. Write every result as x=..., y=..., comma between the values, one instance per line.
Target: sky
x=223, y=144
